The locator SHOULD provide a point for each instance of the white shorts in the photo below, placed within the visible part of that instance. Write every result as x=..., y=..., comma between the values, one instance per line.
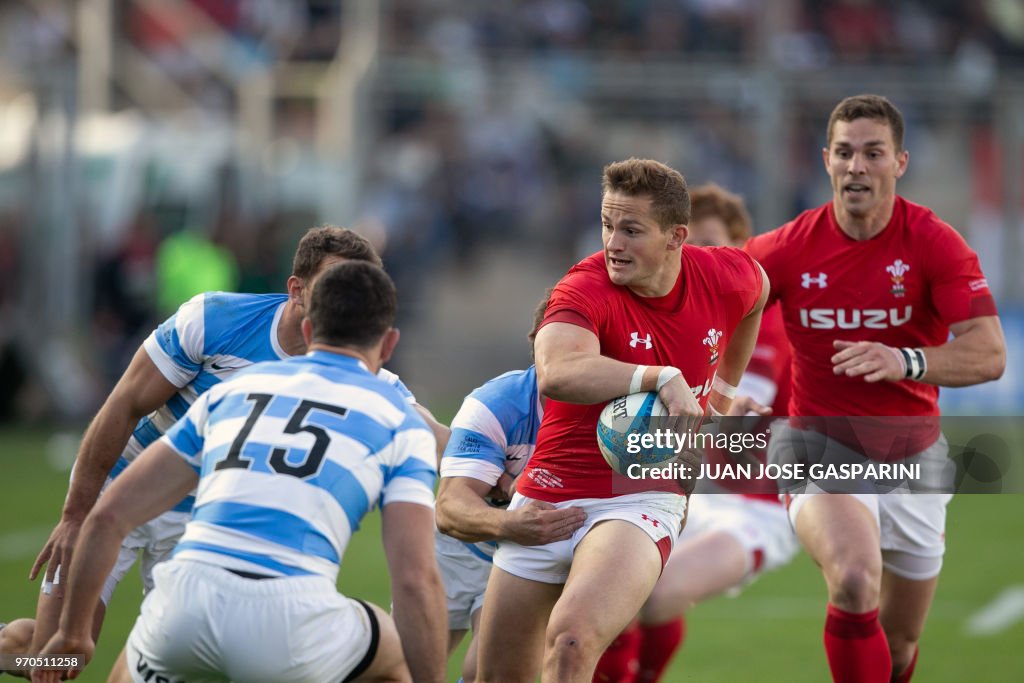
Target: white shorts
x=659, y=515
x=912, y=528
x=150, y=544
x=465, y=577
x=203, y=623
x=761, y=527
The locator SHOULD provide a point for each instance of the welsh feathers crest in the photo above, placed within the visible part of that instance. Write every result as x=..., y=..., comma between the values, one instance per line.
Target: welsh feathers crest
x=711, y=341
x=896, y=272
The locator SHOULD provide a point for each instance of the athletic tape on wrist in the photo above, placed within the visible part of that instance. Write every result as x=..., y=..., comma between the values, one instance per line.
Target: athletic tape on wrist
x=637, y=382
x=667, y=374
x=902, y=357
x=723, y=387
x=916, y=364
x=715, y=415
x=924, y=364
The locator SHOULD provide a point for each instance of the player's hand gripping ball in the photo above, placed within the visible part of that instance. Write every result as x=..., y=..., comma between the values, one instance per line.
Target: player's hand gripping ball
x=621, y=429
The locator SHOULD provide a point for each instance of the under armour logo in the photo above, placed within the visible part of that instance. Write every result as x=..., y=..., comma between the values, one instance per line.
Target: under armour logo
x=648, y=519
x=820, y=280
x=636, y=341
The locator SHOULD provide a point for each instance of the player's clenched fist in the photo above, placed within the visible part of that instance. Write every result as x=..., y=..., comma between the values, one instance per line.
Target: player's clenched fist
x=873, y=361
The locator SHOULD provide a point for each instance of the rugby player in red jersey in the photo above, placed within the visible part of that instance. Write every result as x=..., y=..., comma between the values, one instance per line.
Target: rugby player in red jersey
x=871, y=286
x=645, y=314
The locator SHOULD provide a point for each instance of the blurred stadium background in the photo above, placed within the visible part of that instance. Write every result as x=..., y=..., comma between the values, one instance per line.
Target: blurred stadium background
x=153, y=147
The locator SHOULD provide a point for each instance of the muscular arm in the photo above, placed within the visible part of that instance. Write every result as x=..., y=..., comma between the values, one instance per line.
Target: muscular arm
x=741, y=345
x=151, y=485
x=570, y=368
x=416, y=589
x=141, y=390
x=463, y=513
x=976, y=354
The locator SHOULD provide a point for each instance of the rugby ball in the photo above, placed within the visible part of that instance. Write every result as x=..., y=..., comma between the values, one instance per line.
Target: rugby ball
x=622, y=424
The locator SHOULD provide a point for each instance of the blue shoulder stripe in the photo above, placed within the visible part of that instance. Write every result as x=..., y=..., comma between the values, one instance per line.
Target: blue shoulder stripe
x=230, y=319
x=413, y=469
x=186, y=440
x=168, y=339
x=510, y=396
x=472, y=445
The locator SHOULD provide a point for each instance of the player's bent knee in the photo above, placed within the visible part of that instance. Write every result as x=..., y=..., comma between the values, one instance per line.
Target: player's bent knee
x=573, y=645
x=569, y=655
x=855, y=587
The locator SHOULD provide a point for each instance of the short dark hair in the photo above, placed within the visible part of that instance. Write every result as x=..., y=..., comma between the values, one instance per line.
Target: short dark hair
x=711, y=199
x=868, y=107
x=538, y=317
x=330, y=240
x=670, y=201
x=353, y=304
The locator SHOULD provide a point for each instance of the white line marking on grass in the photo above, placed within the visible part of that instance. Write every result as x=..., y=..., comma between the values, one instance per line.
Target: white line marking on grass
x=999, y=615
x=17, y=545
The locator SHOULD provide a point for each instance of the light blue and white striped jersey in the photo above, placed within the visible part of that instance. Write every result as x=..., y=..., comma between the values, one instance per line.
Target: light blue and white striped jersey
x=495, y=431
x=210, y=338
x=291, y=455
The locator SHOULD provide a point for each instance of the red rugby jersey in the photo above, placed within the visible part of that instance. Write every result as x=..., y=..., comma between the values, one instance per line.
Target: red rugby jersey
x=903, y=287
x=687, y=328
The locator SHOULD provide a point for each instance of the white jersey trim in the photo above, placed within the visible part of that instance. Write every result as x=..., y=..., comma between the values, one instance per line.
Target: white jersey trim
x=481, y=470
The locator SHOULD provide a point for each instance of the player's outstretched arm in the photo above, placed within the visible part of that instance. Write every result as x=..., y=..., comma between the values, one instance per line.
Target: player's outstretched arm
x=463, y=513
x=141, y=390
x=153, y=484
x=976, y=354
x=418, y=595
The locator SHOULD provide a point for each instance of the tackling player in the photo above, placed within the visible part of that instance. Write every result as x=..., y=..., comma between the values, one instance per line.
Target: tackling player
x=493, y=436
x=211, y=337
x=871, y=286
x=289, y=456
x=645, y=314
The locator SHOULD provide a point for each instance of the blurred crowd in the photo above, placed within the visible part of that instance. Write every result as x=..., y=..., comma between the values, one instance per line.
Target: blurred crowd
x=461, y=155
x=815, y=32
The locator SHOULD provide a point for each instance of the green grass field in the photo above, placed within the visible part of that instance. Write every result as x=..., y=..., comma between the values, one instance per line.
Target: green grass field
x=772, y=632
